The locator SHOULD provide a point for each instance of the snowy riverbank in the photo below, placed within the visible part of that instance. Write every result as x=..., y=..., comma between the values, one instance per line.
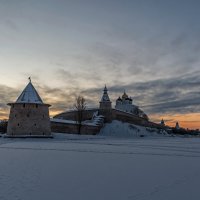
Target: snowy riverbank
x=100, y=167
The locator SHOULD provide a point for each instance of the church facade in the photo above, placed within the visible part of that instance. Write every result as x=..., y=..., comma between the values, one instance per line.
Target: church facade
x=125, y=104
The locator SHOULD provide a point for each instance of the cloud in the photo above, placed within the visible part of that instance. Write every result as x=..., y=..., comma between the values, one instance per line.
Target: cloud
x=7, y=95
x=172, y=95
x=11, y=25
x=178, y=94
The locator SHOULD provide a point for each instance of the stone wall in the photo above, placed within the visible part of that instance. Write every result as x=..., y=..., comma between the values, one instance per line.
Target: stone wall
x=127, y=117
x=71, y=115
x=133, y=119
x=59, y=127
x=110, y=115
x=29, y=119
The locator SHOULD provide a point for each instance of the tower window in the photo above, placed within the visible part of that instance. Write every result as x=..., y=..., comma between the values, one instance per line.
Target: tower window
x=13, y=105
x=28, y=115
x=24, y=105
x=34, y=124
x=36, y=105
x=18, y=124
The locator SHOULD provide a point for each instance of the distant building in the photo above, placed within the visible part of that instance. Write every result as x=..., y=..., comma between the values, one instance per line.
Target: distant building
x=29, y=116
x=162, y=122
x=177, y=126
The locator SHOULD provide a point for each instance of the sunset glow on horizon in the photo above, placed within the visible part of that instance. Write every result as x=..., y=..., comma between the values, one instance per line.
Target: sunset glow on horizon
x=188, y=120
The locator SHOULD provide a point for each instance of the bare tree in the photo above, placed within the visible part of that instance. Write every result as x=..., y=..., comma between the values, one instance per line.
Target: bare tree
x=80, y=106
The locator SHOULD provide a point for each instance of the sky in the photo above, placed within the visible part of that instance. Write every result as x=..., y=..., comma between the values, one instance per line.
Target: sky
x=150, y=48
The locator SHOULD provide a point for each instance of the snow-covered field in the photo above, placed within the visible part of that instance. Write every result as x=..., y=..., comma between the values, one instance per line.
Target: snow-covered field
x=100, y=168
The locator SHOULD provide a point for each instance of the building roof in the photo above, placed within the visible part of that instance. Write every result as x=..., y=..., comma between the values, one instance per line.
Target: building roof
x=119, y=99
x=105, y=96
x=29, y=95
x=177, y=125
x=124, y=96
x=129, y=99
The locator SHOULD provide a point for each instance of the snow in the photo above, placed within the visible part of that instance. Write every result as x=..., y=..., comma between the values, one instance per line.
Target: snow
x=120, y=129
x=97, y=120
x=63, y=121
x=100, y=167
x=29, y=95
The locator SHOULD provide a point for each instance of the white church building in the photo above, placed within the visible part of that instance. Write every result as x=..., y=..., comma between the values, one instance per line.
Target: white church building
x=125, y=103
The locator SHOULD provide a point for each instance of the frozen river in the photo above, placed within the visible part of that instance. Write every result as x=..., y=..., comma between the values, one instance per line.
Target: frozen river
x=100, y=168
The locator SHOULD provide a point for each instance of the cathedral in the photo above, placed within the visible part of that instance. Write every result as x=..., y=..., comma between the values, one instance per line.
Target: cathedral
x=125, y=104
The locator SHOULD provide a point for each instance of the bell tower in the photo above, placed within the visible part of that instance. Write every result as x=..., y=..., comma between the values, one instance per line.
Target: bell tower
x=105, y=105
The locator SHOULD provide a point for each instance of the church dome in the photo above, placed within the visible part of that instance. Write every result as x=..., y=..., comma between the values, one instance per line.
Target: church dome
x=119, y=99
x=124, y=96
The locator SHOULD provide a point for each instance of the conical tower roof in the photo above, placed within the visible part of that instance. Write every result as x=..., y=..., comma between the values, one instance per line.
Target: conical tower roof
x=124, y=96
x=29, y=95
x=105, y=96
x=162, y=122
x=177, y=125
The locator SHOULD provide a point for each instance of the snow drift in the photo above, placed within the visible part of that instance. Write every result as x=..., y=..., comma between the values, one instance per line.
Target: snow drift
x=120, y=129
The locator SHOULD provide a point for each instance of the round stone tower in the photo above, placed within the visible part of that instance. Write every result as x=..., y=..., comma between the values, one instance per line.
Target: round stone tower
x=105, y=106
x=29, y=116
